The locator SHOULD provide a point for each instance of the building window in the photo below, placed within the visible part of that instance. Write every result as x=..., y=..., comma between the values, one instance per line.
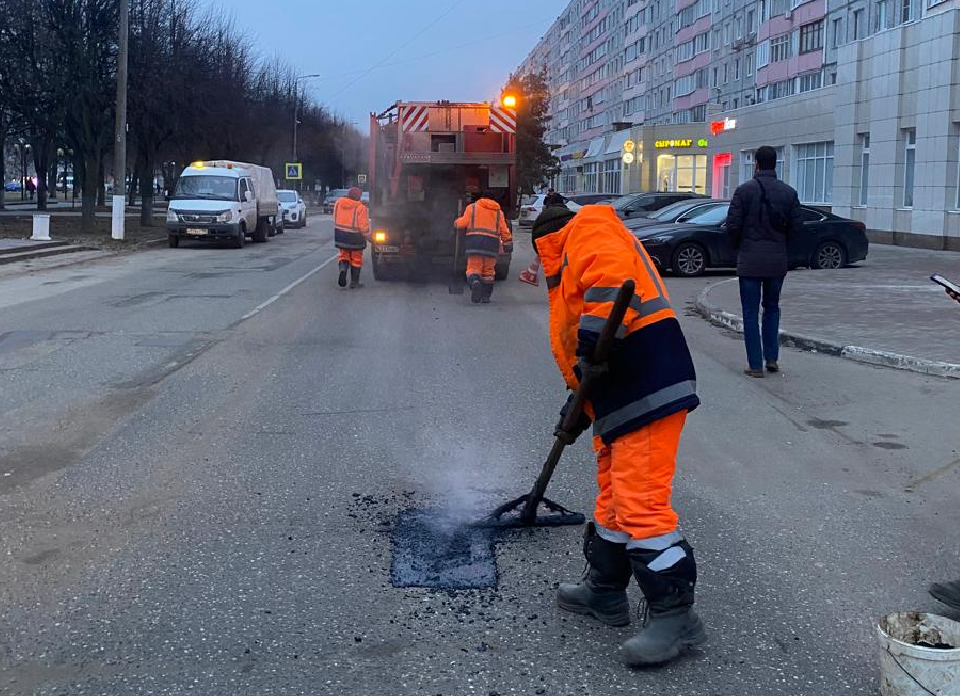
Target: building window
x=906, y=10
x=864, y=168
x=682, y=173
x=859, y=25
x=909, y=165
x=747, y=165
x=749, y=64
x=811, y=81
x=780, y=48
x=811, y=37
x=880, y=16
x=590, y=182
x=814, y=167
x=838, y=33
x=736, y=69
x=612, y=169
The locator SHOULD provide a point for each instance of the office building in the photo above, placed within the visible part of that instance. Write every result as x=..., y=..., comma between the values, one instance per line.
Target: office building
x=858, y=97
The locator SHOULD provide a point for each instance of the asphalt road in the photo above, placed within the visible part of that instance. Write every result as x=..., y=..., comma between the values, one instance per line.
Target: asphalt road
x=203, y=452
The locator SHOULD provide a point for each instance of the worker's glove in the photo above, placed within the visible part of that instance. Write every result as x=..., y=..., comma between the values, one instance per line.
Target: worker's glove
x=591, y=371
x=508, y=248
x=583, y=422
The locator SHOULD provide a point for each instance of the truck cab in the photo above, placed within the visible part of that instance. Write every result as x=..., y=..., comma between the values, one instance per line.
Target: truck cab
x=428, y=160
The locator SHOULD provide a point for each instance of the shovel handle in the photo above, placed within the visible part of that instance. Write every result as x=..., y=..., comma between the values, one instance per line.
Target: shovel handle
x=600, y=354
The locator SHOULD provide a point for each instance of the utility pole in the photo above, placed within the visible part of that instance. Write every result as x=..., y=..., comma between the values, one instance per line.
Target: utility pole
x=120, y=144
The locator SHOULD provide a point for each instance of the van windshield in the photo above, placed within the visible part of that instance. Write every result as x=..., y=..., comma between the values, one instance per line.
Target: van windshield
x=215, y=188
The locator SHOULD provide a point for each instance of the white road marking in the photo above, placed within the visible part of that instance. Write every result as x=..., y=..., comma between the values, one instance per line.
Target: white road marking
x=263, y=305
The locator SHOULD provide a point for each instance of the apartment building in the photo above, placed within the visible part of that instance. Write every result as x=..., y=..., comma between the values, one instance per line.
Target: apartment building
x=858, y=97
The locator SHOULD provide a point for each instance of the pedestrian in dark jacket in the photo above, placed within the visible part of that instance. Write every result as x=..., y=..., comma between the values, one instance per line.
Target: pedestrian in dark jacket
x=764, y=214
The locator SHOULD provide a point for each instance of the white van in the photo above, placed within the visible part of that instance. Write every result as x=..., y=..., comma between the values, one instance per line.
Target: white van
x=224, y=200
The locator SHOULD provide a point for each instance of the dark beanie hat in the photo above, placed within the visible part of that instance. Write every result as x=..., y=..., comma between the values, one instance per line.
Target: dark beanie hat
x=552, y=219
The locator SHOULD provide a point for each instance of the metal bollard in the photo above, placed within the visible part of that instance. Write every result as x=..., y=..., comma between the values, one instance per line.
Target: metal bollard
x=41, y=228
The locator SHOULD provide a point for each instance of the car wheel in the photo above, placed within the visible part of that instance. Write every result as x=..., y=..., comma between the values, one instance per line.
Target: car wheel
x=303, y=220
x=830, y=256
x=173, y=240
x=689, y=260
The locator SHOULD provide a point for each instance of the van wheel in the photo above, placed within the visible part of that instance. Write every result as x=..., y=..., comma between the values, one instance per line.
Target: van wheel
x=240, y=238
x=260, y=234
x=173, y=240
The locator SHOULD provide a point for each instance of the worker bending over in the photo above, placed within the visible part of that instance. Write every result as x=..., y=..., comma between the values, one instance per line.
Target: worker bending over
x=486, y=228
x=638, y=407
x=351, y=222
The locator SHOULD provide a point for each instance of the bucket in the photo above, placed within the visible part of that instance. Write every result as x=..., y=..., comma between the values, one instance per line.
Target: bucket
x=919, y=655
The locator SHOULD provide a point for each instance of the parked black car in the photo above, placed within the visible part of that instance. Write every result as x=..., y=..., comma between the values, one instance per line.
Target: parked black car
x=635, y=205
x=689, y=248
x=590, y=198
x=684, y=211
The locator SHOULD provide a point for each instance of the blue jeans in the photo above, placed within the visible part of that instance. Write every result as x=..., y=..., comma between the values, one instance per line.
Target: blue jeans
x=753, y=293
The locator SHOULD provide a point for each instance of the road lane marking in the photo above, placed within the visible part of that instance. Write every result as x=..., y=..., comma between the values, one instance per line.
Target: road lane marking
x=263, y=305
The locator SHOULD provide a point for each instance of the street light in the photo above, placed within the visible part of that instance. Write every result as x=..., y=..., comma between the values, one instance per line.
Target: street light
x=23, y=148
x=296, y=108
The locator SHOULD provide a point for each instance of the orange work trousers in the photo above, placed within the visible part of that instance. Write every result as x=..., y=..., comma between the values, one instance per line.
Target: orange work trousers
x=352, y=256
x=483, y=266
x=635, y=475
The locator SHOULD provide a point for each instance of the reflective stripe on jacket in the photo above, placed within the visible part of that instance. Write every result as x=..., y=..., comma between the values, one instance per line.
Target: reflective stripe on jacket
x=485, y=228
x=351, y=223
x=651, y=371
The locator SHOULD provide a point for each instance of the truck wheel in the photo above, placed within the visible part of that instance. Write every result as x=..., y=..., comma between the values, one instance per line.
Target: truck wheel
x=380, y=270
x=240, y=238
x=260, y=234
x=173, y=240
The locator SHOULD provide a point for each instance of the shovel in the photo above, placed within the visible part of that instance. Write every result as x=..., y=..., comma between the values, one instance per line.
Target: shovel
x=527, y=506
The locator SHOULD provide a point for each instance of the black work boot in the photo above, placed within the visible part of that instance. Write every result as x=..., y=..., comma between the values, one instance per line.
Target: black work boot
x=947, y=592
x=355, y=278
x=487, y=292
x=602, y=592
x=476, y=289
x=670, y=623
x=342, y=280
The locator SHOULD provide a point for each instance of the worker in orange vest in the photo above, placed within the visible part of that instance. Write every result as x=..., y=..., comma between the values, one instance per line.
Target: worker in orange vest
x=486, y=229
x=638, y=408
x=351, y=224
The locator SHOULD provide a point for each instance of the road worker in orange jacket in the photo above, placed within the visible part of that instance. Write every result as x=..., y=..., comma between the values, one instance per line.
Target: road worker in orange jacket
x=351, y=225
x=486, y=229
x=638, y=407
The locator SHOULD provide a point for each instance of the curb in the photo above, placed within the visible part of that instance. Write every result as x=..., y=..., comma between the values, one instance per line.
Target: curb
x=811, y=344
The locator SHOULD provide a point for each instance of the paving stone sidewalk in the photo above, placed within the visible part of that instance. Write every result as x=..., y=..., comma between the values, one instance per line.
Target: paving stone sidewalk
x=885, y=305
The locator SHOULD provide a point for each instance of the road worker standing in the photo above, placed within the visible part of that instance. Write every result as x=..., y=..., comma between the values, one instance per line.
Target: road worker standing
x=486, y=229
x=351, y=222
x=638, y=407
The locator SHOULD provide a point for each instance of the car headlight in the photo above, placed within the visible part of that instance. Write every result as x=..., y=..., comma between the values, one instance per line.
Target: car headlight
x=172, y=216
x=660, y=239
x=225, y=216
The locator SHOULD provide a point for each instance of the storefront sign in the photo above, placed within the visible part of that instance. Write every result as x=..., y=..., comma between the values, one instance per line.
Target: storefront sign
x=727, y=124
x=685, y=142
x=628, y=158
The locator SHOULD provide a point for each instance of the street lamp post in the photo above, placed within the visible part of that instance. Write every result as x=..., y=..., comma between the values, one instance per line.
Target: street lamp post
x=296, y=108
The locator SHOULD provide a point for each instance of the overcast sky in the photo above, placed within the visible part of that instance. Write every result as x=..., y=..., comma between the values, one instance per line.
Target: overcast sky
x=414, y=49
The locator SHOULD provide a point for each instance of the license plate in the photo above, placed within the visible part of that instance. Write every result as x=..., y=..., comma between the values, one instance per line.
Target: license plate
x=197, y=231
x=389, y=249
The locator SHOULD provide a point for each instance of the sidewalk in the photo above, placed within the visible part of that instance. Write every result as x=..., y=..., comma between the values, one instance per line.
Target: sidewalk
x=885, y=311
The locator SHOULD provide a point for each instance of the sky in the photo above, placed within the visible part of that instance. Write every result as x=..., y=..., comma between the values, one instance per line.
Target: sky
x=414, y=49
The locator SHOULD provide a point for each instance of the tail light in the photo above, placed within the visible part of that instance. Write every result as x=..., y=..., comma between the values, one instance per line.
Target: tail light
x=531, y=209
x=860, y=226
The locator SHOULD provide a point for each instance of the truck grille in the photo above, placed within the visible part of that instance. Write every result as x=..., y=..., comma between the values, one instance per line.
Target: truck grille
x=198, y=218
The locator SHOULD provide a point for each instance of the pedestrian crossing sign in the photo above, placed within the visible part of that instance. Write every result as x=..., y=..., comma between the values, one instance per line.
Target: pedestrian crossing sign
x=294, y=171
